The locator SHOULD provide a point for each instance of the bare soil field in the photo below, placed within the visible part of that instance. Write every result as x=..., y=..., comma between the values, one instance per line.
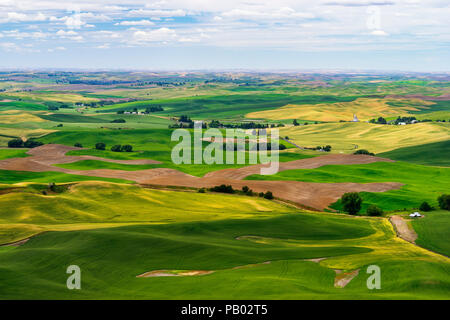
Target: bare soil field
x=312, y=195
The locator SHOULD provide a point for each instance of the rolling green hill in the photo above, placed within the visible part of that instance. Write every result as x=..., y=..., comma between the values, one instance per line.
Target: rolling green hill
x=432, y=231
x=432, y=154
x=111, y=259
x=422, y=183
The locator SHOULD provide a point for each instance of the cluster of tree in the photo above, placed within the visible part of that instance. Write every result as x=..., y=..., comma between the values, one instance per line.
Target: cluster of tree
x=78, y=145
x=222, y=188
x=118, y=121
x=19, y=143
x=185, y=118
x=243, y=125
x=352, y=201
x=158, y=83
x=153, y=109
x=326, y=148
x=122, y=148
x=188, y=125
x=147, y=110
x=380, y=120
x=96, y=82
x=245, y=190
x=254, y=147
x=364, y=151
x=404, y=119
x=295, y=123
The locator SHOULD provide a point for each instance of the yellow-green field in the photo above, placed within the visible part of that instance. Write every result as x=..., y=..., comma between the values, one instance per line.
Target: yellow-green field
x=364, y=108
x=18, y=116
x=348, y=136
x=51, y=96
x=88, y=205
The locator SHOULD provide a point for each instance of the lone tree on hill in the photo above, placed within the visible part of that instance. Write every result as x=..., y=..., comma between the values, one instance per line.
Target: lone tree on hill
x=374, y=211
x=295, y=123
x=100, y=146
x=444, y=201
x=268, y=195
x=351, y=202
x=425, y=207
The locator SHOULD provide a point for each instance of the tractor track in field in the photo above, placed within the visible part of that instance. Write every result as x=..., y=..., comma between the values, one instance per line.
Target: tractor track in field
x=313, y=195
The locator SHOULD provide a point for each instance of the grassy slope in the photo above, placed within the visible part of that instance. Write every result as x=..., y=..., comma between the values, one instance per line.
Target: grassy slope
x=95, y=164
x=96, y=203
x=19, y=105
x=225, y=106
x=433, y=154
x=376, y=138
x=433, y=231
x=11, y=176
x=365, y=108
x=422, y=183
x=110, y=260
x=13, y=153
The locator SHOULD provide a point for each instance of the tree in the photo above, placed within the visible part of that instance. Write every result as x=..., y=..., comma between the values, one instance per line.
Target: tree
x=100, y=146
x=268, y=195
x=118, y=121
x=444, y=201
x=116, y=148
x=351, y=202
x=363, y=151
x=374, y=211
x=295, y=123
x=425, y=207
x=222, y=188
x=245, y=189
x=15, y=143
x=78, y=145
x=327, y=148
x=127, y=148
x=30, y=143
x=381, y=120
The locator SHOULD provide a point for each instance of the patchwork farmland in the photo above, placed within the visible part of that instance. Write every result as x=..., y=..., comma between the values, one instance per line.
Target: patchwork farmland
x=87, y=178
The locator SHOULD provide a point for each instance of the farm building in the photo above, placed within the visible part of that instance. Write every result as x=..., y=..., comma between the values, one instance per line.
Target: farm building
x=415, y=215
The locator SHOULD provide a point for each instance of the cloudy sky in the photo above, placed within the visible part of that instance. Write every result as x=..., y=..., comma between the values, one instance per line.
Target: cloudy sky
x=410, y=35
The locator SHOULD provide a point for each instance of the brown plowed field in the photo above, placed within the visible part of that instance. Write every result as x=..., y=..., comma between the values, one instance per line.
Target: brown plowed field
x=314, y=195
